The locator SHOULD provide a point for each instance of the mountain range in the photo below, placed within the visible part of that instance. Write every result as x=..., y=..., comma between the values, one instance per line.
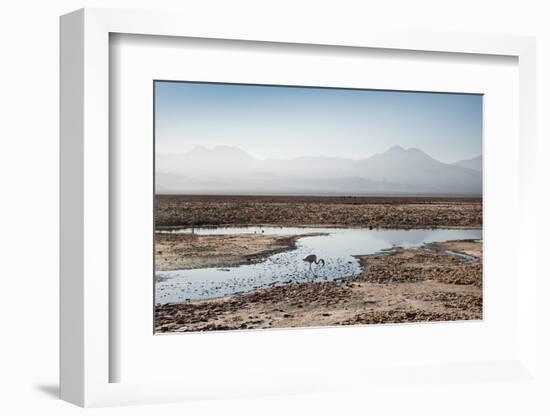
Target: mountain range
x=475, y=163
x=397, y=171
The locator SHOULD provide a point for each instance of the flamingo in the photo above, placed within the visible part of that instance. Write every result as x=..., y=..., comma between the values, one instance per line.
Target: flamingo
x=312, y=258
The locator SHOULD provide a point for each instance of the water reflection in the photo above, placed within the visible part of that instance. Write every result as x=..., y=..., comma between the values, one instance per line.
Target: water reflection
x=337, y=249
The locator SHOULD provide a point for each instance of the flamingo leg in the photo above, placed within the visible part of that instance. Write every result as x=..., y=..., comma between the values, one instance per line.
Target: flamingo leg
x=312, y=271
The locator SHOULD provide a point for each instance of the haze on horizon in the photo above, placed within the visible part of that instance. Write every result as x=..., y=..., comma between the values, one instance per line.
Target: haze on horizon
x=227, y=138
x=271, y=122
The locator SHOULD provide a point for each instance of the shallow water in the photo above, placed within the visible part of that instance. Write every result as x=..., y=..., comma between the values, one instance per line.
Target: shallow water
x=337, y=249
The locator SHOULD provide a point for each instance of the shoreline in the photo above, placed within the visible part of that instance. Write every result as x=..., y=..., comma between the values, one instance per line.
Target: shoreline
x=396, y=286
x=225, y=250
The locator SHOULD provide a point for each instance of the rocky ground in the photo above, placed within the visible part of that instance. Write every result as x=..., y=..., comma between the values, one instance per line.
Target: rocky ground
x=187, y=251
x=375, y=212
x=433, y=283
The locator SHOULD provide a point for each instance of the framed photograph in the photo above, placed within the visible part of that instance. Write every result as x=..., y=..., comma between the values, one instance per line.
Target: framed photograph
x=312, y=212
x=337, y=216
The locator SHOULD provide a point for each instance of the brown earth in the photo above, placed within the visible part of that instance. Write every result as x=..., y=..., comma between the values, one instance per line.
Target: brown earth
x=187, y=251
x=415, y=285
x=375, y=212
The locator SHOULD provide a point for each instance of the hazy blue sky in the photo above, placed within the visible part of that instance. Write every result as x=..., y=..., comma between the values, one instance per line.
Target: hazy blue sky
x=288, y=122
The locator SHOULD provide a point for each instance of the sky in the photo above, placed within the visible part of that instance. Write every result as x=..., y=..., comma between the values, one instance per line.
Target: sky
x=287, y=122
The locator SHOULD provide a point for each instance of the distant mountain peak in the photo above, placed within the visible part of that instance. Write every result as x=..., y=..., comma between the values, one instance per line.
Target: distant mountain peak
x=475, y=163
x=400, y=150
x=395, y=149
x=399, y=153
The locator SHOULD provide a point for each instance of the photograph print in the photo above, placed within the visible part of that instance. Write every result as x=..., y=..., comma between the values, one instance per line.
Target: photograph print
x=296, y=207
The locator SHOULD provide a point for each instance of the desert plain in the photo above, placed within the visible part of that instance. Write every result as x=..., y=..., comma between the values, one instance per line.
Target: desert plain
x=439, y=281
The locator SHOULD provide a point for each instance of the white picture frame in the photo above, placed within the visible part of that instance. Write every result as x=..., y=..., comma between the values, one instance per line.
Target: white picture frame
x=85, y=209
